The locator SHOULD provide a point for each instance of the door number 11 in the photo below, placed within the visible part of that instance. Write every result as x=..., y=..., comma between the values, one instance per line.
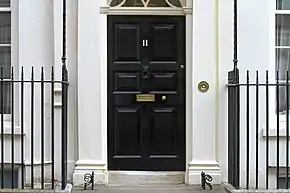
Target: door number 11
x=145, y=43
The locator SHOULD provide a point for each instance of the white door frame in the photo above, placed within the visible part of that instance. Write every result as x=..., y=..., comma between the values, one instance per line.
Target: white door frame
x=92, y=94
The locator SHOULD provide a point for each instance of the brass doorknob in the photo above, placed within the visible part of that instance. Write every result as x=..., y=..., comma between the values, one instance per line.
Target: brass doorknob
x=163, y=98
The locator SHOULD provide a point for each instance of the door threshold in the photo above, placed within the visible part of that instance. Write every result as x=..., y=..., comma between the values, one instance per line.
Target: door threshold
x=146, y=177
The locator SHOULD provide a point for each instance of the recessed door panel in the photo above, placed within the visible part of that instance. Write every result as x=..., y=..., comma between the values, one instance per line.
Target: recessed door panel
x=163, y=132
x=164, y=81
x=127, y=36
x=124, y=128
x=163, y=40
x=126, y=81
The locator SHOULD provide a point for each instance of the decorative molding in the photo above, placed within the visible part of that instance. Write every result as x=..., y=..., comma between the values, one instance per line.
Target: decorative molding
x=90, y=165
x=198, y=163
x=145, y=11
x=146, y=3
x=143, y=7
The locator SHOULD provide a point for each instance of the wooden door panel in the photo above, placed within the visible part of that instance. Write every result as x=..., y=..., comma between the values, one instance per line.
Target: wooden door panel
x=163, y=42
x=127, y=36
x=127, y=81
x=127, y=66
x=123, y=128
x=156, y=66
x=163, y=131
x=127, y=99
x=167, y=81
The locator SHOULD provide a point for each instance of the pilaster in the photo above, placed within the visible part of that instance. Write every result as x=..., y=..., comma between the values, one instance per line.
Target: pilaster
x=92, y=137
x=204, y=134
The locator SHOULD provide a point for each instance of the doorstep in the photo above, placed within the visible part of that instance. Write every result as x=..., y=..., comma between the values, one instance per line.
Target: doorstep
x=129, y=178
x=148, y=189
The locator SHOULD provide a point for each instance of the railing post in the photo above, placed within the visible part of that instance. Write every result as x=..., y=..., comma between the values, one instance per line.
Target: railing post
x=64, y=128
x=234, y=128
x=64, y=101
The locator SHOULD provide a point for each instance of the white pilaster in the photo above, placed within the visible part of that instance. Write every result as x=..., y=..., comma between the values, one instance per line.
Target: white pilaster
x=92, y=138
x=204, y=105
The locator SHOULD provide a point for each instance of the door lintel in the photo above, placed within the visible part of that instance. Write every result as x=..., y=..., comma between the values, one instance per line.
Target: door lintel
x=145, y=11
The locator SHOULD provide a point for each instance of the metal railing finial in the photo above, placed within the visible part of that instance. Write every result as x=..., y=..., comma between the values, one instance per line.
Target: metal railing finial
x=235, y=61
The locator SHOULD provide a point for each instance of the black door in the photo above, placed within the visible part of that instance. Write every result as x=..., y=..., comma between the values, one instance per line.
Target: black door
x=146, y=93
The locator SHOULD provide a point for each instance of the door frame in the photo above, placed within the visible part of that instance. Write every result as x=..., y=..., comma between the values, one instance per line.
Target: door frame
x=90, y=27
x=188, y=87
x=184, y=54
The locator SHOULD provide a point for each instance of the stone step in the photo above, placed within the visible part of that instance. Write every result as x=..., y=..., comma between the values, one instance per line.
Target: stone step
x=145, y=178
x=182, y=188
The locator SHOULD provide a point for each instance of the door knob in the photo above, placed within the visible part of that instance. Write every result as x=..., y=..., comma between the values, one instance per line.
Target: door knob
x=163, y=98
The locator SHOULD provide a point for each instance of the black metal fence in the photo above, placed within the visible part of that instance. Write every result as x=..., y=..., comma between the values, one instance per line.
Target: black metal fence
x=16, y=91
x=244, y=127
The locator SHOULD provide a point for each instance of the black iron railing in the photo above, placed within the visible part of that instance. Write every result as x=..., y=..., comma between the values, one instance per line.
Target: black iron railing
x=39, y=90
x=256, y=104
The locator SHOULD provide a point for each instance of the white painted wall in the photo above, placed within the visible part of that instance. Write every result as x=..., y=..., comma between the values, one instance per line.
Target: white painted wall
x=256, y=33
x=210, y=55
x=37, y=42
x=35, y=49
